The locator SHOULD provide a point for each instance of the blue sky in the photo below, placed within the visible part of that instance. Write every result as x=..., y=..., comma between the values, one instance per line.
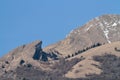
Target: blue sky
x=24, y=21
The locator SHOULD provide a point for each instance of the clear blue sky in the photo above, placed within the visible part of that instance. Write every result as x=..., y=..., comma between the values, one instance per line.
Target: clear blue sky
x=23, y=21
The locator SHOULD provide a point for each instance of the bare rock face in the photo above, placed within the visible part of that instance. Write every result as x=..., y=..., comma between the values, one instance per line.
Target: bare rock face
x=103, y=29
x=52, y=61
x=27, y=54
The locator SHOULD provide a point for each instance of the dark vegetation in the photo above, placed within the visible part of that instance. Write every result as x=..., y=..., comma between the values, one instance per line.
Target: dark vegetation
x=83, y=50
x=43, y=56
x=110, y=64
x=59, y=69
x=29, y=72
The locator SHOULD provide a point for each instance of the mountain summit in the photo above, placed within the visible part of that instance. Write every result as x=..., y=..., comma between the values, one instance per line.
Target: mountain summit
x=103, y=29
x=89, y=52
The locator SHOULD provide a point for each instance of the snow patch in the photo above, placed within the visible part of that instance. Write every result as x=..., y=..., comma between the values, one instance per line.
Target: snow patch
x=105, y=23
x=101, y=25
x=114, y=24
x=106, y=32
x=88, y=27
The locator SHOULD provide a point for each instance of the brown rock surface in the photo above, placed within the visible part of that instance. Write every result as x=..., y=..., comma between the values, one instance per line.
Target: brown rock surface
x=103, y=29
x=51, y=62
x=21, y=56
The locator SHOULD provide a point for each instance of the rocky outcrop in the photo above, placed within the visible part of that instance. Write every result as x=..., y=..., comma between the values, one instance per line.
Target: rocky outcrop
x=19, y=55
x=69, y=58
x=26, y=54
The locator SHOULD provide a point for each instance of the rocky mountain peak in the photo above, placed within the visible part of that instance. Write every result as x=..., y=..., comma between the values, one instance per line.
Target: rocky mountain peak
x=105, y=22
x=67, y=58
x=102, y=29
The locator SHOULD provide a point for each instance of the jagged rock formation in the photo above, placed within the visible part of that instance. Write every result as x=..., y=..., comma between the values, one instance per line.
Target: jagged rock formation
x=103, y=29
x=84, y=66
x=27, y=54
x=98, y=37
x=22, y=54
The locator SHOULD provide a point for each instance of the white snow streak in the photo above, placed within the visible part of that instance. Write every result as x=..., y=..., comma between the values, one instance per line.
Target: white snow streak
x=88, y=27
x=106, y=32
x=114, y=24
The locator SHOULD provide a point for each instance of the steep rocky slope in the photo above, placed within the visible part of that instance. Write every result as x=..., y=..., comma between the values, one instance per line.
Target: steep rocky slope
x=80, y=56
x=103, y=29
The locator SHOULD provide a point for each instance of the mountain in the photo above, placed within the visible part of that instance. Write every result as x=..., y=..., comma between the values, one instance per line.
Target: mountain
x=25, y=55
x=103, y=29
x=89, y=52
x=89, y=65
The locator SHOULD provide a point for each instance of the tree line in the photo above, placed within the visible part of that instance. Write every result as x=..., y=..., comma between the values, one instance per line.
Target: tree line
x=83, y=50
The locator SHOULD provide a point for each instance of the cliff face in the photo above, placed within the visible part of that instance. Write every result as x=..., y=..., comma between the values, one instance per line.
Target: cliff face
x=103, y=29
x=23, y=53
x=26, y=54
